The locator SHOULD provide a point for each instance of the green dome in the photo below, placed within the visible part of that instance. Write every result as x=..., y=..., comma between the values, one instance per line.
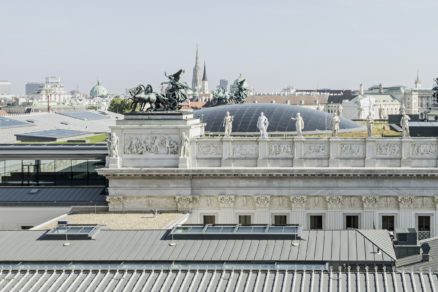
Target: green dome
x=98, y=90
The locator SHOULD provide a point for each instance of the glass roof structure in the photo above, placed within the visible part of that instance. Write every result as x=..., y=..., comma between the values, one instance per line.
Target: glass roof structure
x=57, y=133
x=228, y=231
x=10, y=123
x=72, y=232
x=279, y=115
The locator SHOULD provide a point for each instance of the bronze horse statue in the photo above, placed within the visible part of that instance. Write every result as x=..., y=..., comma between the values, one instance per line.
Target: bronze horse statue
x=147, y=99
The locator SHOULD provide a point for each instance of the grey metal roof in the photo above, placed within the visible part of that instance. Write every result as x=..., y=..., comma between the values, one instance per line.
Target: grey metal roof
x=212, y=280
x=53, y=151
x=52, y=195
x=344, y=246
x=415, y=262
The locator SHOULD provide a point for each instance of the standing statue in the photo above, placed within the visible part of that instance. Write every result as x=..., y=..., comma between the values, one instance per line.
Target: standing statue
x=176, y=91
x=185, y=145
x=335, y=125
x=340, y=108
x=299, y=124
x=404, y=122
x=370, y=124
x=402, y=109
x=113, y=145
x=228, y=124
x=263, y=124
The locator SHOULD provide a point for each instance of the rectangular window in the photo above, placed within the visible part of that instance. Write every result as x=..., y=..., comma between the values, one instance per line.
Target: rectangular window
x=424, y=227
x=352, y=222
x=423, y=223
x=280, y=219
x=209, y=219
x=245, y=219
x=316, y=222
x=388, y=222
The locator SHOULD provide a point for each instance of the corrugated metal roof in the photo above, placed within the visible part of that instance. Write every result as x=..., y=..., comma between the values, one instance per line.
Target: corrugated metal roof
x=53, y=195
x=213, y=280
x=345, y=246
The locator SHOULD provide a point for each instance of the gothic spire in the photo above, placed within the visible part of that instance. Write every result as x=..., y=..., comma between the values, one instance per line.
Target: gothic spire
x=204, y=77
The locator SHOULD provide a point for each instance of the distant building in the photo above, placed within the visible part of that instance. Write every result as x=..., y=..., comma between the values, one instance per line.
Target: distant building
x=223, y=83
x=54, y=87
x=98, y=90
x=32, y=88
x=5, y=87
x=378, y=105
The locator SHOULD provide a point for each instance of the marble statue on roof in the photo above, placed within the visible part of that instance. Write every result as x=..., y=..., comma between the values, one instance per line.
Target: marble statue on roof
x=262, y=125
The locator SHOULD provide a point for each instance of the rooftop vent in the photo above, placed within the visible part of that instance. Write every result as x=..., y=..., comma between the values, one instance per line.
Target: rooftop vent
x=237, y=231
x=34, y=191
x=405, y=242
x=66, y=231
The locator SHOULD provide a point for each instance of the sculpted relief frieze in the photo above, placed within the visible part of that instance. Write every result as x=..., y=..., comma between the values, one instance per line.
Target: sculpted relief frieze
x=298, y=202
x=351, y=150
x=206, y=149
x=245, y=150
x=151, y=144
x=424, y=150
x=313, y=149
x=280, y=149
x=226, y=201
x=263, y=201
x=388, y=149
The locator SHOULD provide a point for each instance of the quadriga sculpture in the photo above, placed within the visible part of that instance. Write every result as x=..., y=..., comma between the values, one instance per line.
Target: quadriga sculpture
x=176, y=93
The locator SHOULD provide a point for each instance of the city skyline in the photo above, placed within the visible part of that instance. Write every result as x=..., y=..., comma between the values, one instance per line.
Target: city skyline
x=298, y=44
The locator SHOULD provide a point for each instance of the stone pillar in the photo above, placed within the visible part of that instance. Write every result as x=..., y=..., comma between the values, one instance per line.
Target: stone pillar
x=227, y=152
x=334, y=218
x=405, y=155
x=262, y=214
x=262, y=160
x=298, y=207
x=407, y=216
x=298, y=152
x=370, y=218
x=226, y=205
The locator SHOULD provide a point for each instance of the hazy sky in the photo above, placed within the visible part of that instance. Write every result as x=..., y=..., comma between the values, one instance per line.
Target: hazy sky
x=306, y=44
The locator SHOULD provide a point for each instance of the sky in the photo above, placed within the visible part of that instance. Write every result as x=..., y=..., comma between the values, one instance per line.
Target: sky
x=306, y=44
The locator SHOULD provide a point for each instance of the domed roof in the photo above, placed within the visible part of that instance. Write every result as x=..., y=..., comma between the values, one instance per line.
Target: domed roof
x=279, y=116
x=98, y=90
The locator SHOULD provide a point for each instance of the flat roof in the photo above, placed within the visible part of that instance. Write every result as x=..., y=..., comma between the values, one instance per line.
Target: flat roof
x=85, y=115
x=121, y=221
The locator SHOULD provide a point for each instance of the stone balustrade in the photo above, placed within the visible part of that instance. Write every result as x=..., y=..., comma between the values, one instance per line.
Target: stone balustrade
x=314, y=152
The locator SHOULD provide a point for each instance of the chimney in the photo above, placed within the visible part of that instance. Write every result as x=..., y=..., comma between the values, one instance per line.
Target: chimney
x=380, y=88
x=426, y=249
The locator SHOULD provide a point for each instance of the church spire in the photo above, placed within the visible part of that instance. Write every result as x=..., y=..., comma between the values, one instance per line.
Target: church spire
x=418, y=81
x=204, y=76
x=196, y=80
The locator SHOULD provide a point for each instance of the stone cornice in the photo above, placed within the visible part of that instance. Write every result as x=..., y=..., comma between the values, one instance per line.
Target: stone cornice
x=270, y=172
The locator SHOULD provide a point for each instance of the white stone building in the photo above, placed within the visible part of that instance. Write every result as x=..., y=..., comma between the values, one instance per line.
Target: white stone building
x=379, y=105
x=319, y=183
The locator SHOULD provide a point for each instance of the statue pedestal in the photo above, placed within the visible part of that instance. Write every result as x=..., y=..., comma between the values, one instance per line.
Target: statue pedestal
x=183, y=162
x=153, y=140
x=113, y=162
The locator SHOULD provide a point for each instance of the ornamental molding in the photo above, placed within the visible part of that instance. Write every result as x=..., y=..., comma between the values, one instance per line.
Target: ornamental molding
x=334, y=202
x=185, y=202
x=370, y=202
x=388, y=149
x=150, y=145
x=406, y=202
x=280, y=149
x=226, y=201
x=298, y=202
x=263, y=201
